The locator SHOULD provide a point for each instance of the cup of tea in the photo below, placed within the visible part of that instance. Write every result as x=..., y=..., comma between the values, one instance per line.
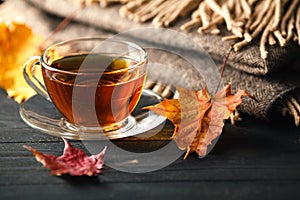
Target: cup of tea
x=95, y=83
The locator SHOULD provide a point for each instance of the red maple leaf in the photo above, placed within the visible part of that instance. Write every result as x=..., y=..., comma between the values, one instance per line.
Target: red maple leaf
x=74, y=161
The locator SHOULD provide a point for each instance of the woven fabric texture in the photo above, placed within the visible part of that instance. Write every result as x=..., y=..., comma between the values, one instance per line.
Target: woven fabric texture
x=248, y=59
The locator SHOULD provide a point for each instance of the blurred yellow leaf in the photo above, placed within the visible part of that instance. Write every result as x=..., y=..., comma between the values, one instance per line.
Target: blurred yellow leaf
x=17, y=44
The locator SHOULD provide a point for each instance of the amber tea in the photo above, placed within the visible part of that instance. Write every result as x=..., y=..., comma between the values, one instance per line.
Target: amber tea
x=112, y=83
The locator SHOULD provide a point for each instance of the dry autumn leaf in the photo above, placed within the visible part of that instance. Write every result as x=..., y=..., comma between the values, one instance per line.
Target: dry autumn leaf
x=73, y=161
x=198, y=118
x=17, y=44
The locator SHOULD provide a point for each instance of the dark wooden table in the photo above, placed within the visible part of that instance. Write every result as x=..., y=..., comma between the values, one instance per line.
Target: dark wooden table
x=252, y=160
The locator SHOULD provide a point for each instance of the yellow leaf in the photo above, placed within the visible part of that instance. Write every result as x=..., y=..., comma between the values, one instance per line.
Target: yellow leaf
x=17, y=44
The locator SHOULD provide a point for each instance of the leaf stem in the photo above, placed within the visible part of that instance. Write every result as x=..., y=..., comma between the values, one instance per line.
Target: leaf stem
x=223, y=67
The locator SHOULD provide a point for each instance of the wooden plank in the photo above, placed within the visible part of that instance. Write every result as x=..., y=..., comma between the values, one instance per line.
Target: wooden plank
x=235, y=164
x=184, y=190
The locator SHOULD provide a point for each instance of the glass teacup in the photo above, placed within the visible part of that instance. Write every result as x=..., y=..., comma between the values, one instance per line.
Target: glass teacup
x=95, y=83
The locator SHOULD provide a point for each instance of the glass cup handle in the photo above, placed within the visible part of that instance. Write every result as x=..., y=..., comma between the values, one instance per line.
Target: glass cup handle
x=31, y=79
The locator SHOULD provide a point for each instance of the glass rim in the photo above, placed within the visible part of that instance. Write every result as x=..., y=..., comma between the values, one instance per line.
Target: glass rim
x=136, y=46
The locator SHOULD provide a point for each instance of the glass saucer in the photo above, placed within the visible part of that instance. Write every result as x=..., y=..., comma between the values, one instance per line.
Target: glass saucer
x=42, y=115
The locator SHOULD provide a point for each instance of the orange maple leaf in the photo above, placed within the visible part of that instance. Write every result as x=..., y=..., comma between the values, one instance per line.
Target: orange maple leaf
x=198, y=118
x=17, y=44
